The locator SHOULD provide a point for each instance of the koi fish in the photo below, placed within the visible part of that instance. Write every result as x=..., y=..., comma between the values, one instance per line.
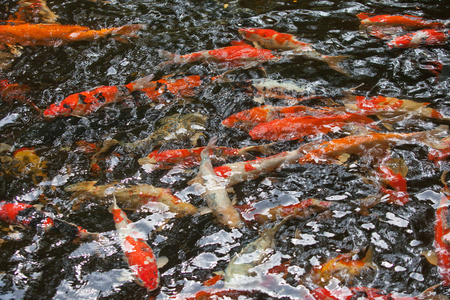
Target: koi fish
x=13, y=91
x=34, y=11
x=393, y=172
x=443, y=153
x=215, y=194
x=24, y=161
x=441, y=230
x=250, y=118
x=20, y=213
x=407, y=21
x=358, y=292
x=191, y=157
x=425, y=37
x=255, y=251
x=133, y=197
x=84, y=103
x=272, y=39
x=385, y=105
x=219, y=294
x=359, y=144
x=294, y=128
x=343, y=267
x=138, y=254
x=54, y=35
x=227, y=57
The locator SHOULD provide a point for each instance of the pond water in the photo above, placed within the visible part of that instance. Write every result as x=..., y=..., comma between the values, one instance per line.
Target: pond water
x=46, y=265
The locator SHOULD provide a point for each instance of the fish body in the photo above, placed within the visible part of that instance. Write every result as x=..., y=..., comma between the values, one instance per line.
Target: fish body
x=184, y=87
x=215, y=194
x=138, y=254
x=34, y=11
x=133, y=197
x=441, y=230
x=294, y=128
x=344, y=267
x=407, y=21
x=231, y=56
x=395, y=179
x=84, y=103
x=53, y=35
x=358, y=292
x=272, y=39
x=425, y=37
x=442, y=153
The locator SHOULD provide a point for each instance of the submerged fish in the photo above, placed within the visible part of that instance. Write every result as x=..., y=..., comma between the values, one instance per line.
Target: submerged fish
x=24, y=161
x=215, y=194
x=133, y=197
x=84, y=103
x=54, y=35
x=138, y=254
x=393, y=172
x=357, y=293
x=407, y=21
x=34, y=11
x=425, y=37
x=441, y=229
x=20, y=213
x=272, y=39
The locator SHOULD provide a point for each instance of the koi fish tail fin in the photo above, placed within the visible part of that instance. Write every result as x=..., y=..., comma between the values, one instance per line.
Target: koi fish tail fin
x=142, y=83
x=334, y=63
x=170, y=57
x=127, y=31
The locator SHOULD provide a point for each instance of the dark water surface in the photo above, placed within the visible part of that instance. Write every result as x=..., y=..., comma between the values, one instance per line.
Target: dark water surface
x=38, y=265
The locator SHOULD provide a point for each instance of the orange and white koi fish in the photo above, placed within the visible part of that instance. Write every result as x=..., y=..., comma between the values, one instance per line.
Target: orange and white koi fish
x=20, y=213
x=192, y=157
x=250, y=118
x=133, y=197
x=215, y=194
x=272, y=39
x=295, y=128
x=343, y=267
x=138, y=254
x=239, y=55
x=407, y=21
x=358, y=292
x=84, y=103
x=425, y=37
x=360, y=144
x=441, y=229
x=381, y=105
x=54, y=35
x=392, y=172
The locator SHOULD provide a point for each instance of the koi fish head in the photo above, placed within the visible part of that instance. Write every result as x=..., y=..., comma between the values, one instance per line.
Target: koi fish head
x=252, y=33
x=65, y=108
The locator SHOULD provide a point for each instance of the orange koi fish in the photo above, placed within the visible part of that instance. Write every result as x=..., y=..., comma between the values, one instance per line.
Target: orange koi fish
x=227, y=57
x=407, y=21
x=215, y=194
x=84, y=103
x=133, y=197
x=28, y=215
x=272, y=39
x=138, y=254
x=380, y=105
x=441, y=229
x=192, y=157
x=248, y=119
x=54, y=35
x=425, y=37
x=395, y=179
x=358, y=292
x=294, y=128
x=343, y=267
x=359, y=144
x=302, y=209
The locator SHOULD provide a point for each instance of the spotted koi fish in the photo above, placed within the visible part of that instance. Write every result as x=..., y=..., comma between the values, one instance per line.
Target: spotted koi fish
x=343, y=267
x=425, y=37
x=84, y=103
x=294, y=128
x=239, y=55
x=272, y=39
x=138, y=254
x=20, y=213
x=54, y=35
x=192, y=157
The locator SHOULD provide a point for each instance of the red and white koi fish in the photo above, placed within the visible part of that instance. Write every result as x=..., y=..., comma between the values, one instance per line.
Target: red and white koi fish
x=343, y=267
x=425, y=37
x=380, y=105
x=215, y=194
x=272, y=39
x=407, y=21
x=20, y=213
x=393, y=174
x=133, y=197
x=228, y=57
x=54, y=35
x=84, y=103
x=138, y=254
x=359, y=144
x=250, y=118
x=358, y=292
x=295, y=128
x=192, y=157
